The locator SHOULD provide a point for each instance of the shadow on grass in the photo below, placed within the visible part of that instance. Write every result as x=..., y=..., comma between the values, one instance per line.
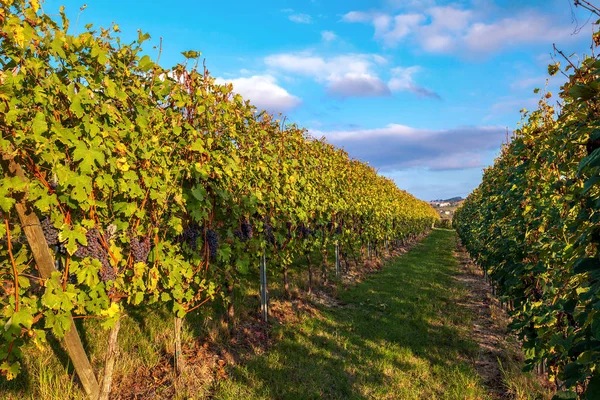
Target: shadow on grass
x=401, y=334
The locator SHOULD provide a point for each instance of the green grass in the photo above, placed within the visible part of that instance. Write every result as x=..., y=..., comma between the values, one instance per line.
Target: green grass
x=400, y=335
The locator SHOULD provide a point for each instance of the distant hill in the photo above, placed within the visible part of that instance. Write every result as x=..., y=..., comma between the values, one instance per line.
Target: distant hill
x=454, y=199
x=451, y=200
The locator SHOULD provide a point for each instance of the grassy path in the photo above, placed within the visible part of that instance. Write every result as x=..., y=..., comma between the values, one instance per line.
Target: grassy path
x=401, y=334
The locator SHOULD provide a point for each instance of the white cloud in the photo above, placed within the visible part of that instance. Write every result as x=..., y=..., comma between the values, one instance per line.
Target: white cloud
x=450, y=18
x=402, y=80
x=357, y=16
x=398, y=147
x=379, y=59
x=449, y=28
x=443, y=32
x=321, y=68
x=530, y=28
x=328, y=36
x=403, y=26
x=263, y=92
x=357, y=85
x=348, y=75
x=410, y=4
x=529, y=83
x=300, y=18
x=387, y=28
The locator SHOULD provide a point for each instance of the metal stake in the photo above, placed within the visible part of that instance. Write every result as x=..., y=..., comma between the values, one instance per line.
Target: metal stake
x=263, y=287
x=337, y=259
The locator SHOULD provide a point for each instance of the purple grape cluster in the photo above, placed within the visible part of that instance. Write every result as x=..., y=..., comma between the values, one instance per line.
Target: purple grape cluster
x=245, y=232
x=95, y=249
x=247, y=229
x=191, y=234
x=268, y=231
x=212, y=238
x=50, y=232
x=107, y=273
x=304, y=232
x=139, y=249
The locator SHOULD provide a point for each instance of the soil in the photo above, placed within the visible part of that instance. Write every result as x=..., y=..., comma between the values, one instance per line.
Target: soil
x=498, y=349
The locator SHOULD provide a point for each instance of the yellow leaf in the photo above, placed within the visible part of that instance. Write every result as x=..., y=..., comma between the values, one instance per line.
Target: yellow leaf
x=122, y=164
x=111, y=311
x=35, y=5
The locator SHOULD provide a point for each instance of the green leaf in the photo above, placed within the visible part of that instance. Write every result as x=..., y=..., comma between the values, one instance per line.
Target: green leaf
x=243, y=266
x=146, y=63
x=584, y=265
x=87, y=157
x=76, y=106
x=22, y=318
x=57, y=46
x=568, y=395
x=6, y=202
x=593, y=388
x=82, y=187
x=24, y=282
x=179, y=310
x=199, y=192
x=87, y=272
x=45, y=202
x=191, y=54
x=10, y=369
x=139, y=297
x=198, y=145
x=72, y=237
x=39, y=125
x=142, y=37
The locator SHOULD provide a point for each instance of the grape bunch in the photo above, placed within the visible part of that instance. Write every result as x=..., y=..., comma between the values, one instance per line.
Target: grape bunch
x=268, y=230
x=289, y=226
x=191, y=234
x=50, y=232
x=95, y=249
x=245, y=232
x=247, y=229
x=139, y=249
x=107, y=273
x=305, y=232
x=238, y=234
x=329, y=226
x=212, y=238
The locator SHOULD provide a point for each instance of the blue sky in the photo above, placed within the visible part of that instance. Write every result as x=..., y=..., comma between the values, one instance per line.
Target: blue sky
x=422, y=90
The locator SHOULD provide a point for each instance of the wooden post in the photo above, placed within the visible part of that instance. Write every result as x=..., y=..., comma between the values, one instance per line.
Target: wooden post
x=179, y=360
x=44, y=260
x=109, y=361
